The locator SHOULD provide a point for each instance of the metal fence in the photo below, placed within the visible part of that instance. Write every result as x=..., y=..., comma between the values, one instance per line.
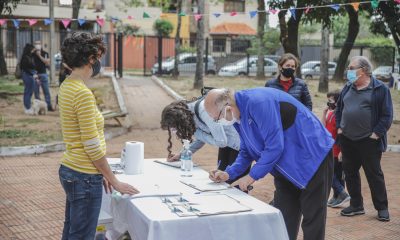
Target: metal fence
x=224, y=55
x=14, y=41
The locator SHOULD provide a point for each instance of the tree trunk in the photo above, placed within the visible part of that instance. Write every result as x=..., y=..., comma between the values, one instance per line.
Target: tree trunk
x=3, y=64
x=76, y=4
x=260, y=35
x=198, y=78
x=175, y=72
x=324, y=72
x=290, y=33
x=354, y=28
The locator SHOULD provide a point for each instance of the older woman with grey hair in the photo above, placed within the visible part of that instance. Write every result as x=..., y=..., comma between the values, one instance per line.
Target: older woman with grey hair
x=364, y=114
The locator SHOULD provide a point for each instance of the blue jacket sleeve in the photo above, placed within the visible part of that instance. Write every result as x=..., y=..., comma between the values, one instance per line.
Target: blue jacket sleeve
x=242, y=162
x=267, y=117
x=386, y=117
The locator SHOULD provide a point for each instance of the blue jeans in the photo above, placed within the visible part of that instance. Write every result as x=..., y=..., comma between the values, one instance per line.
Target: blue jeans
x=29, y=84
x=83, y=202
x=44, y=82
x=338, y=181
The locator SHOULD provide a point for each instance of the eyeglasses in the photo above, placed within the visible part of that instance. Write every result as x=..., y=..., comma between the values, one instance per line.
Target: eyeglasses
x=220, y=112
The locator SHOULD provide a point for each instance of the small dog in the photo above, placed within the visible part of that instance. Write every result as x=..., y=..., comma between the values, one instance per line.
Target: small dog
x=39, y=107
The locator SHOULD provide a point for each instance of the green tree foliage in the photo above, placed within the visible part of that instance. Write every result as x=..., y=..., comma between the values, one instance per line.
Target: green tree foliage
x=381, y=49
x=163, y=27
x=7, y=6
x=270, y=40
x=386, y=20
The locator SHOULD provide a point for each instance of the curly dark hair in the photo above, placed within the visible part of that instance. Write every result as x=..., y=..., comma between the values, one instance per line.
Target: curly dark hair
x=80, y=47
x=177, y=115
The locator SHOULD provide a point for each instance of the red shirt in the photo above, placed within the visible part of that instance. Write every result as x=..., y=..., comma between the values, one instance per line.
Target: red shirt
x=286, y=84
x=330, y=124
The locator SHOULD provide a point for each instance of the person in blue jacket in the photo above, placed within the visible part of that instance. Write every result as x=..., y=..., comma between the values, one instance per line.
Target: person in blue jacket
x=364, y=114
x=288, y=141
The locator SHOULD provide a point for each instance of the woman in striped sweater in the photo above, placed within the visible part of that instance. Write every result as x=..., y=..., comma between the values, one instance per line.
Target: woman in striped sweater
x=83, y=163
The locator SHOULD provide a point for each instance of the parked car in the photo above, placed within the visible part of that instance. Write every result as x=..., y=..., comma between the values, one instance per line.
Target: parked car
x=187, y=64
x=312, y=69
x=384, y=73
x=57, y=58
x=239, y=68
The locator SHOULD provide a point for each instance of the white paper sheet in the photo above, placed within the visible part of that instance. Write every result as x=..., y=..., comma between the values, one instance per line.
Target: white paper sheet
x=205, y=184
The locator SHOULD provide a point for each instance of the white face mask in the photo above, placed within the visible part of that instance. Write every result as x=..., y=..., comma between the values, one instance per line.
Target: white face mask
x=225, y=122
x=38, y=47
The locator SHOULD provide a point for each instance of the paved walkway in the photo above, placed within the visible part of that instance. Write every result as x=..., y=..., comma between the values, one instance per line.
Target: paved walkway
x=32, y=201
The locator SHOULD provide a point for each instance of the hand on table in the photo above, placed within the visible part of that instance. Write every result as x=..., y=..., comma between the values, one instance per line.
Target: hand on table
x=244, y=183
x=107, y=186
x=125, y=188
x=173, y=157
x=218, y=176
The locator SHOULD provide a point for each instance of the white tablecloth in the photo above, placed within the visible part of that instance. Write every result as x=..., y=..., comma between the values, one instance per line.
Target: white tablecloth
x=150, y=219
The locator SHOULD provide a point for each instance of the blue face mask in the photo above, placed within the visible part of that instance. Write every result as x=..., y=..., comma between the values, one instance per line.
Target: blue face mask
x=352, y=76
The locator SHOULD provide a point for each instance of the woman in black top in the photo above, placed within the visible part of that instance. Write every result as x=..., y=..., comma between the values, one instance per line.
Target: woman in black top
x=286, y=81
x=28, y=75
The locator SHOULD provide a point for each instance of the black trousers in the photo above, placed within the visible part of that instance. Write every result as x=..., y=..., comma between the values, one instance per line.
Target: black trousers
x=363, y=153
x=309, y=202
x=226, y=157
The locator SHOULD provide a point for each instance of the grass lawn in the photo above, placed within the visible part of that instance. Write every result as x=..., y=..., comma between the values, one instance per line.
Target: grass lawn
x=184, y=86
x=10, y=85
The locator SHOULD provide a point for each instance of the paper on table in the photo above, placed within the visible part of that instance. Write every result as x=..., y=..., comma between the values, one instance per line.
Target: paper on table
x=148, y=187
x=205, y=184
x=175, y=164
x=215, y=204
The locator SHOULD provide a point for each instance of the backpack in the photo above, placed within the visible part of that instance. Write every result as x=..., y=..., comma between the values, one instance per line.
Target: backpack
x=204, y=92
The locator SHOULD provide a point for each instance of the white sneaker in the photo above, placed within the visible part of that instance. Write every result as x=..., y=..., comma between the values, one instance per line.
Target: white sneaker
x=29, y=111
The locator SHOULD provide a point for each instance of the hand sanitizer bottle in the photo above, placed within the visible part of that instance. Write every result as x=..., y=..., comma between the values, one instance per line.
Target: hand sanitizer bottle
x=186, y=159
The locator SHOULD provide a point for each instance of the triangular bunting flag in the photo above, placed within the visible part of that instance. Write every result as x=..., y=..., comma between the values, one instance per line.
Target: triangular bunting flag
x=182, y=14
x=16, y=23
x=66, y=22
x=293, y=12
x=197, y=17
x=233, y=14
x=100, y=21
x=217, y=15
x=47, y=21
x=81, y=21
x=308, y=9
x=32, y=22
x=336, y=7
x=146, y=15
x=355, y=5
x=253, y=14
x=130, y=17
x=2, y=21
x=374, y=4
x=273, y=11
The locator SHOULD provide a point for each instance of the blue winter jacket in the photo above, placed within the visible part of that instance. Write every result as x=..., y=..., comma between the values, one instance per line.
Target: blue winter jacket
x=298, y=90
x=294, y=151
x=381, y=110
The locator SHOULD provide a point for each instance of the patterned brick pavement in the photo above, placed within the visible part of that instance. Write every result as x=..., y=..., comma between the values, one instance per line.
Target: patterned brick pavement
x=32, y=201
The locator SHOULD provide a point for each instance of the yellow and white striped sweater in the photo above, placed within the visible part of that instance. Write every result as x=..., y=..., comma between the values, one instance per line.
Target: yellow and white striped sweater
x=82, y=127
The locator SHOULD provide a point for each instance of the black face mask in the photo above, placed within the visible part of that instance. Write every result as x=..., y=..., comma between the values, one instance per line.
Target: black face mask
x=331, y=106
x=288, y=72
x=96, y=66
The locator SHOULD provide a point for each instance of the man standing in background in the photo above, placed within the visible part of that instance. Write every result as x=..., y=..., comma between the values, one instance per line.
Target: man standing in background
x=42, y=61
